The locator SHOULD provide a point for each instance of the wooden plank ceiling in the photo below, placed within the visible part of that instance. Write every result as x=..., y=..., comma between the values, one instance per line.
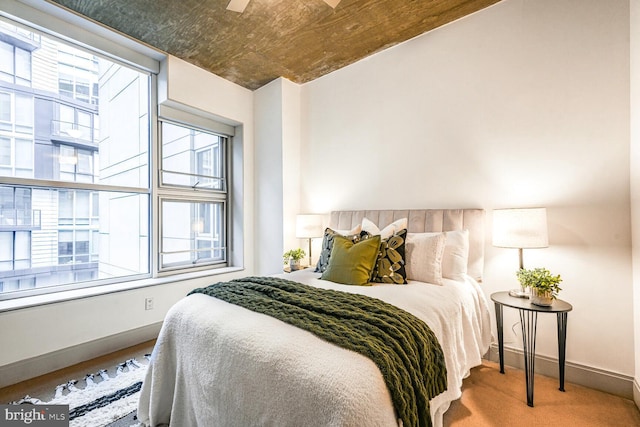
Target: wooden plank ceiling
x=297, y=39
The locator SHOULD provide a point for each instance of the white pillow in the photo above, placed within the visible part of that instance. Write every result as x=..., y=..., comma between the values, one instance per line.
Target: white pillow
x=423, y=255
x=355, y=230
x=456, y=253
x=388, y=231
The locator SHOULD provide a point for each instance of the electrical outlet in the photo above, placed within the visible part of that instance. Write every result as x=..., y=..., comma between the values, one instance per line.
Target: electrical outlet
x=148, y=303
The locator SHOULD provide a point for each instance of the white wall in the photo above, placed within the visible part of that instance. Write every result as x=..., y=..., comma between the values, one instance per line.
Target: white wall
x=269, y=176
x=277, y=171
x=36, y=331
x=525, y=103
x=291, y=158
x=635, y=180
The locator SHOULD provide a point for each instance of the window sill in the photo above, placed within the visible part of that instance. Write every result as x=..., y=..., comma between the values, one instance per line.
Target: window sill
x=57, y=297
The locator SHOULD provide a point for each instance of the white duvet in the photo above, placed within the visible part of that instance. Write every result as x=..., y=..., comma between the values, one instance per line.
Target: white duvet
x=217, y=364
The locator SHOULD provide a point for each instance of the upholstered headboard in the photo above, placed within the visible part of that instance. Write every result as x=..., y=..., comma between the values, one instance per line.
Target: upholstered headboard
x=427, y=220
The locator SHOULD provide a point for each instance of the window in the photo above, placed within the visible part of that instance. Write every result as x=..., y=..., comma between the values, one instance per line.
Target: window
x=15, y=64
x=77, y=164
x=192, y=232
x=64, y=219
x=21, y=250
x=73, y=247
x=78, y=207
x=6, y=251
x=24, y=113
x=8, y=285
x=5, y=152
x=16, y=223
x=15, y=250
x=16, y=133
x=23, y=66
x=193, y=226
x=6, y=62
x=67, y=118
x=77, y=74
x=16, y=112
x=74, y=124
x=78, y=225
x=203, y=151
x=5, y=111
x=16, y=210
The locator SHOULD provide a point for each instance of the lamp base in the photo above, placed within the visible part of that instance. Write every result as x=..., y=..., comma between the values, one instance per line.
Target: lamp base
x=519, y=293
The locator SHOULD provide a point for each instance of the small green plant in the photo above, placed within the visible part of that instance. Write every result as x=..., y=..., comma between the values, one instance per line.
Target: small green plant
x=293, y=254
x=540, y=279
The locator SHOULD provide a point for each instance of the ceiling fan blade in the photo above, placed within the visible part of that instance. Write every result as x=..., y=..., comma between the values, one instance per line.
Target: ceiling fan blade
x=239, y=5
x=332, y=3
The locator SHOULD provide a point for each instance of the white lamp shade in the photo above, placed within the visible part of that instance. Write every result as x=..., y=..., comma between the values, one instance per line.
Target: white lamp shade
x=520, y=228
x=309, y=226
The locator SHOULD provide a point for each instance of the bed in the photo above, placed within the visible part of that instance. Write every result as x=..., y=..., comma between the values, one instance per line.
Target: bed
x=218, y=364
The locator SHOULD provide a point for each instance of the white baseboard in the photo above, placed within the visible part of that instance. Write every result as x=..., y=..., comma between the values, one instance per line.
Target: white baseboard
x=636, y=393
x=598, y=379
x=30, y=368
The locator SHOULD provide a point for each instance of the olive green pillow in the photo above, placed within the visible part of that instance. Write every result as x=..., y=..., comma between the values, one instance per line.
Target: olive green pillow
x=327, y=244
x=352, y=263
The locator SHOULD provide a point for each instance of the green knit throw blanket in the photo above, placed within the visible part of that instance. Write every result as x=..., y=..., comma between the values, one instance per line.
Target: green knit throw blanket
x=401, y=345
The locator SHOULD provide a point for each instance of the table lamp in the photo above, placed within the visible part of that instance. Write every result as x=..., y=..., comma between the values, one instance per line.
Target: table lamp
x=524, y=228
x=309, y=226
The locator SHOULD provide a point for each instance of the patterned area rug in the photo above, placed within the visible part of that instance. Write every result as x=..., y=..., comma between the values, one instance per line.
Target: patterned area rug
x=101, y=400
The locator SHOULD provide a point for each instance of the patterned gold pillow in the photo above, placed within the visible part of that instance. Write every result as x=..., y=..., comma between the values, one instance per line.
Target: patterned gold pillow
x=390, y=267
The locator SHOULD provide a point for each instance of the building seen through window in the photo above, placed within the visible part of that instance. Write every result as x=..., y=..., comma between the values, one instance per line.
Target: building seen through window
x=192, y=159
x=74, y=164
x=75, y=190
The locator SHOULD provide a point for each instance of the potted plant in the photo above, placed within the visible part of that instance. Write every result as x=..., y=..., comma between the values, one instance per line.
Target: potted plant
x=293, y=257
x=544, y=286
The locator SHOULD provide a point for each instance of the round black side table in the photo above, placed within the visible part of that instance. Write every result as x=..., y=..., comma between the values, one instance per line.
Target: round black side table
x=528, y=321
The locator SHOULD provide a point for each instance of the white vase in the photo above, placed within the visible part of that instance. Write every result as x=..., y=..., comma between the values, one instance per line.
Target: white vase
x=294, y=264
x=544, y=299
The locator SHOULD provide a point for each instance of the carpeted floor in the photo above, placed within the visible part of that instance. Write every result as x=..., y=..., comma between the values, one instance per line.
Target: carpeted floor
x=492, y=399
x=488, y=398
